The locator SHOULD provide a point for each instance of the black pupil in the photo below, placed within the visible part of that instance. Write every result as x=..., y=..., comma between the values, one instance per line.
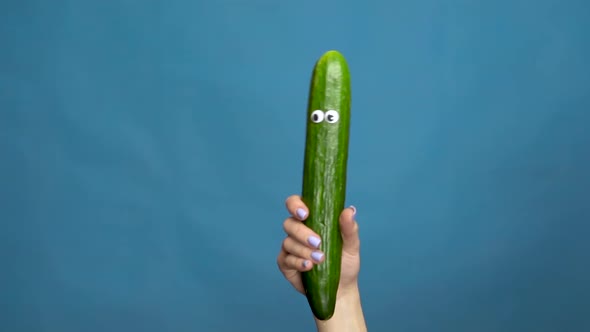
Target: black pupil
x=315, y=117
x=330, y=117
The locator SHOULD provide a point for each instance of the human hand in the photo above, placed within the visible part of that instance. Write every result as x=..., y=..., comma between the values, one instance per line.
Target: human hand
x=301, y=249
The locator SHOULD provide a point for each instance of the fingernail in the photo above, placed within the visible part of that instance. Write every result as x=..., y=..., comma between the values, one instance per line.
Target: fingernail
x=353, y=211
x=314, y=241
x=301, y=213
x=317, y=256
x=305, y=263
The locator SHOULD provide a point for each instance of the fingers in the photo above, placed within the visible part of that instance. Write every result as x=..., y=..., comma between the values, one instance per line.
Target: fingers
x=297, y=263
x=290, y=264
x=302, y=251
x=350, y=231
x=291, y=267
x=296, y=207
x=301, y=233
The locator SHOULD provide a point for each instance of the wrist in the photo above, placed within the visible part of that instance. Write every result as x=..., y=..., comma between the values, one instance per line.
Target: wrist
x=349, y=293
x=348, y=314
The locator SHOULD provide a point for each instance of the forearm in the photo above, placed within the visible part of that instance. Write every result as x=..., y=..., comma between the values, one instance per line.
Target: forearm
x=348, y=315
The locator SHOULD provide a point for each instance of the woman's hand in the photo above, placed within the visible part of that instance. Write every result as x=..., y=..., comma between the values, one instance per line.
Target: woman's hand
x=301, y=249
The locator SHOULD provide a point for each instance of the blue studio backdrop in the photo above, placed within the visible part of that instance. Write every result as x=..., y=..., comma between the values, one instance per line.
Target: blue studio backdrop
x=148, y=146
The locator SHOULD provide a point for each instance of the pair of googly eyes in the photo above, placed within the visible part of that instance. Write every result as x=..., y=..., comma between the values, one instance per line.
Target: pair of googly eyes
x=330, y=116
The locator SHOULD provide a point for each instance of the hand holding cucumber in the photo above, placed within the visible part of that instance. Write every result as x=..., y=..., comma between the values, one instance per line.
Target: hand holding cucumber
x=301, y=250
x=297, y=256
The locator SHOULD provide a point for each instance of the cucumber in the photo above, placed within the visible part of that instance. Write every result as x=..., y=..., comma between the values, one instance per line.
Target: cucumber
x=324, y=175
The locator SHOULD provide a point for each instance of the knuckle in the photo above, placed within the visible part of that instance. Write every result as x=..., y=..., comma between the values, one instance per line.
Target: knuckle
x=302, y=232
x=289, y=199
x=281, y=261
x=286, y=243
x=290, y=261
x=301, y=251
x=296, y=250
x=297, y=263
x=304, y=252
x=297, y=228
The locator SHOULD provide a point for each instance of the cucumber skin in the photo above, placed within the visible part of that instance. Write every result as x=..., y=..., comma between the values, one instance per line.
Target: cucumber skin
x=324, y=177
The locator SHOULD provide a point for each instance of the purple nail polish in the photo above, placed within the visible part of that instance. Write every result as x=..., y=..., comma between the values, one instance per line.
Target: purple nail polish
x=317, y=256
x=314, y=241
x=301, y=213
x=305, y=263
x=353, y=211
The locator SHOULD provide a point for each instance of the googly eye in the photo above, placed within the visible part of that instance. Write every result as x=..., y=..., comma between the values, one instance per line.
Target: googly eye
x=332, y=116
x=317, y=116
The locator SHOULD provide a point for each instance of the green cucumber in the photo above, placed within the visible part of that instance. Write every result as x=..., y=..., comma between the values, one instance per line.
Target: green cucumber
x=324, y=175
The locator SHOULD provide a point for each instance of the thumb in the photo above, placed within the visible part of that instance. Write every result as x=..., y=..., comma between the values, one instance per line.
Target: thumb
x=350, y=231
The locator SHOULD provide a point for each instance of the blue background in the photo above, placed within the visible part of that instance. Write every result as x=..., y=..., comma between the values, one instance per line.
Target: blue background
x=148, y=146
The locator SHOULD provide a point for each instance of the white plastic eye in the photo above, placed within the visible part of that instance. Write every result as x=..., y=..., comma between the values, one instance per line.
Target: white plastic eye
x=317, y=116
x=332, y=116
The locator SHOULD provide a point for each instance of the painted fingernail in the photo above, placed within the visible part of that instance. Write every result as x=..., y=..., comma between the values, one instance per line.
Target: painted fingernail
x=305, y=264
x=314, y=241
x=317, y=256
x=301, y=213
x=353, y=211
